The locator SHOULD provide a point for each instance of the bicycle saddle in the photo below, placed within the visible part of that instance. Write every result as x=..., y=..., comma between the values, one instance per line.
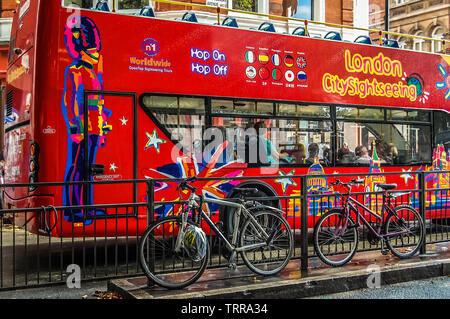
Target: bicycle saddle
x=246, y=191
x=387, y=187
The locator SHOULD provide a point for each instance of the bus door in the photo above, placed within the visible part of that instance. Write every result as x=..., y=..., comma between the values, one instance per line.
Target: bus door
x=111, y=146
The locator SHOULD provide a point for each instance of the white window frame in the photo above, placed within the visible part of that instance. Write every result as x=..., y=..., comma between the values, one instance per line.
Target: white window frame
x=418, y=43
x=263, y=6
x=402, y=42
x=438, y=33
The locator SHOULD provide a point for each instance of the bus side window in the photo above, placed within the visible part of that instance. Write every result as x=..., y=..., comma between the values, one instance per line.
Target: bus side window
x=84, y=4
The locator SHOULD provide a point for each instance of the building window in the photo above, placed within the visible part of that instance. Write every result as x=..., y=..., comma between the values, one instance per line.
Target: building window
x=402, y=43
x=418, y=43
x=132, y=4
x=437, y=33
x=246, y=5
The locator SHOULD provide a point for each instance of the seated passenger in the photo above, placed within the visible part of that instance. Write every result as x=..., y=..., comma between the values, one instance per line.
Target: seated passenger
x=272, y=153
x=392, y=154
x=345, y=155
x=381, y=148
x=326, y=154
x=298, y=154
x=313, y=151
x=364, y=157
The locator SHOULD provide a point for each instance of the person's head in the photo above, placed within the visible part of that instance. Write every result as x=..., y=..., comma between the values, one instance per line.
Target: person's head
x=261, y=128
x=345, y=146
x=358, y=150
x=313, y=149
x=393, y=152
x=82, y=39
x=364, y=151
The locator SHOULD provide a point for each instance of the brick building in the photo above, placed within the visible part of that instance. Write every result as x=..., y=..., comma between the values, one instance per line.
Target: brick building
x=426, y=18
x=345, y=12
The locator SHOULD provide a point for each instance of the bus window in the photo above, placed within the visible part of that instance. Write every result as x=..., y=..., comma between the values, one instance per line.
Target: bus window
x=182, y=118
x=303, y=110
x=343, y=112
x=84, y=4
x=406, y=115
x=442, y=128
x=395, y=143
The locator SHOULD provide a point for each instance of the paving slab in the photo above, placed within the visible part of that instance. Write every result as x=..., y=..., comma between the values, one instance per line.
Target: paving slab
x=293, y=283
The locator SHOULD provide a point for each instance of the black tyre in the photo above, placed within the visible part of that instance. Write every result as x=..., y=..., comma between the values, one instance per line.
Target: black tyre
x=274, y=255
x=335, y=238
x=406, y=220
x=170, y=269
x=228, y=216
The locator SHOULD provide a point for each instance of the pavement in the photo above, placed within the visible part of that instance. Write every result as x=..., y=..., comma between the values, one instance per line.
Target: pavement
x=367, y=269
x=432, y=288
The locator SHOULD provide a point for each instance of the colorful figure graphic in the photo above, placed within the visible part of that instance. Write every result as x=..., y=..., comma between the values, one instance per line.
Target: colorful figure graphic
x=374, y=201
x=315, y=185
x=82, y=39
x=436, y=199
x=445, y=84
x=285, y=181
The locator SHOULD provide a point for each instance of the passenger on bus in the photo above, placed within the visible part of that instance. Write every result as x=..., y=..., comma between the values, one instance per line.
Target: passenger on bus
x=364, y=157
x=345, y=155
x=392, y=154
x=313, y=151
x=381, y=148
x=326, y=153
x=273, y=155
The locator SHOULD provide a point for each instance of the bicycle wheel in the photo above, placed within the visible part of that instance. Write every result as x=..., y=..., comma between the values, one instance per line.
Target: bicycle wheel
x=274, y=255
x=335, y=238
x=408, y=221
x=159, y=261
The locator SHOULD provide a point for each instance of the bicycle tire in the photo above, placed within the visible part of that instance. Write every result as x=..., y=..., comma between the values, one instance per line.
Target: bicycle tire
x=392, y=225
x=171, y=270
x=271, y=258
x=326, y=256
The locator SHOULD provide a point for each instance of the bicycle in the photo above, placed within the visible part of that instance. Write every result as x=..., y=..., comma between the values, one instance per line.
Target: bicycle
x=336, y=235
x=172, y=244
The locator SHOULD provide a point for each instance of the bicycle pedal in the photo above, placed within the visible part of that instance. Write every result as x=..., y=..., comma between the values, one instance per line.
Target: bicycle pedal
x=385, y=252
x=232, y=266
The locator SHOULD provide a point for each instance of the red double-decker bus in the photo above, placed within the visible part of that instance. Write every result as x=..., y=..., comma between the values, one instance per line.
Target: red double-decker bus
x=171, y=99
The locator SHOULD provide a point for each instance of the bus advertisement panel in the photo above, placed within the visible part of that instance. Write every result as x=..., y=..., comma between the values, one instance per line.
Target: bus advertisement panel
x=173, y=99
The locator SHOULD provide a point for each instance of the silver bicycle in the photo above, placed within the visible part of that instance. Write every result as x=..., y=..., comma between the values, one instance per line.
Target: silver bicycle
x=174, y=251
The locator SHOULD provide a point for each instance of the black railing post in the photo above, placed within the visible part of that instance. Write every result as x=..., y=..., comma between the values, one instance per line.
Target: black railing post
x=304, y=223
x=150, y=201
x=423, y=206
x=150, y=220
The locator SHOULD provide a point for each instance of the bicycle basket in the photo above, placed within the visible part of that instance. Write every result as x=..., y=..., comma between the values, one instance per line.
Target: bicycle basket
x=195, y=243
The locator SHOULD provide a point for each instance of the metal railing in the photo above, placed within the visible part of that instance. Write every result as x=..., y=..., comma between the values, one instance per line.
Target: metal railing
x=105, y=246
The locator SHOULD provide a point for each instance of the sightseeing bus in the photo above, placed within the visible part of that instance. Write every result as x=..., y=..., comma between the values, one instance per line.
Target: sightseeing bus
x=163, y=98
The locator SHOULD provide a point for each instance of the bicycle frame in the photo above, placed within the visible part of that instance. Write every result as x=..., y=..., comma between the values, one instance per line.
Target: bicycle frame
x=353, y=205
x=193, y=204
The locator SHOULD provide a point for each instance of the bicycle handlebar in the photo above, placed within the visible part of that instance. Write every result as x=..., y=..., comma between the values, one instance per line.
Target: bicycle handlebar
x=356, y=181
x=185, y=184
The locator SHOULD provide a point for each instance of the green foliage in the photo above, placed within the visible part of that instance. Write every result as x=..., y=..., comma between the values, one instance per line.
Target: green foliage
x=245, y=5
x=132, y=4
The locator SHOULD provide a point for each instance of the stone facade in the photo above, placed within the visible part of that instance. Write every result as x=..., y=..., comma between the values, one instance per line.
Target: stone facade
x=426, y=18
